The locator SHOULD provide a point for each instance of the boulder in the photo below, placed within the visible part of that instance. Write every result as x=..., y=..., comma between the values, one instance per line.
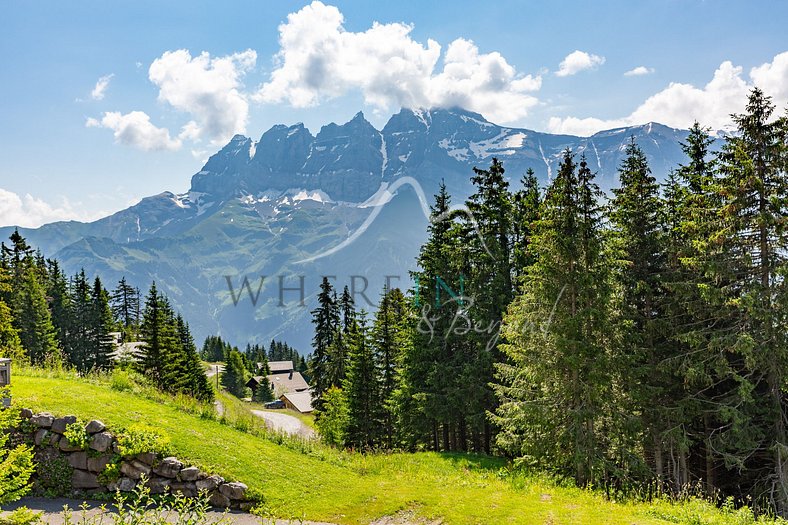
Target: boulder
x=234, y=490
x=168, y=468
x=59, y=424
x=101, y=441
x=94, y=427
x=99, y=463
x=149, y=458
x=210, y=483
x=126, y=484
x=189, y=474
x=25, y=413
x=84, y=480
x=79, y=460
x=134, y=469
x=41, y=436
x=43, y=420
x=186, y=489
x=158, y=485
x=66, y=446
x=54, y=439
x=218, y=499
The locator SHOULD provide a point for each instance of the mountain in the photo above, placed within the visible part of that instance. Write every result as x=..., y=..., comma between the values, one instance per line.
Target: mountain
x=293, y=207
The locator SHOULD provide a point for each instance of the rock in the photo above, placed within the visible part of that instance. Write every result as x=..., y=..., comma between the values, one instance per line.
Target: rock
x=112, y=486
x=149, y=458
x=94, y=427
x=54, y=439
x=84, y=480
x=218, y=499
x=158, y=485
x=234, y=490
x=246, y=506
x=189, y=474
x=101, y=441
x=25, y=413
x=43, y=420
x=184, y=488
x=126, y=484
x=66, y=446
x=40, y=436
x=168, y=468
x=98, y=464
x=79, y=460
x=210, y=483
x=134, y=469
x=59, y=424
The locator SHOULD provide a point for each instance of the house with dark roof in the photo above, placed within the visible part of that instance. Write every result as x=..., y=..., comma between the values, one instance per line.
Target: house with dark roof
x=283, y=379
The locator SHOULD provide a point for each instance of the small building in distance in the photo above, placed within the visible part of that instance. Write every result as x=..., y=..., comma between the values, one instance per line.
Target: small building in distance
x=125, y=353
x=299, y=401
x=283, y=379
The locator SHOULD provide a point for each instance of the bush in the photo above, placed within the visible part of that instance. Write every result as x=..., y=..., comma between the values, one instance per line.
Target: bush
x=21, y=516
x=121, y=380
x=54, y=477
x=333, y=418
x=77, y=435
x=141, y=438
x=16, y=464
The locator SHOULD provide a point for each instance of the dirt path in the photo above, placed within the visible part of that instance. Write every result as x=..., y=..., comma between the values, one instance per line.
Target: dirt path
x=285, y=423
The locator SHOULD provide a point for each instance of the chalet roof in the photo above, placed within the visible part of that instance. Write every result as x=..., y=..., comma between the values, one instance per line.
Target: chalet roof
x=302, y=401
x=292, y=382
x=280, y=366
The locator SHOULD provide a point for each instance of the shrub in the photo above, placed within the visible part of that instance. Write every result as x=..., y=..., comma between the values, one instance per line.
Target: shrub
x=21, y=516
x=141, y=438
x=16, y=464
x=54, y=477
x=77, y=435
x=333, y=420
x=121, y=380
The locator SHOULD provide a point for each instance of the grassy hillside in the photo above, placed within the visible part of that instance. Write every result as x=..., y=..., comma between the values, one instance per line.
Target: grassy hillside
x=318, y=483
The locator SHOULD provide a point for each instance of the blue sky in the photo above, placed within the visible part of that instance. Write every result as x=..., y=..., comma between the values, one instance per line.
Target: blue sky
x=180, y=78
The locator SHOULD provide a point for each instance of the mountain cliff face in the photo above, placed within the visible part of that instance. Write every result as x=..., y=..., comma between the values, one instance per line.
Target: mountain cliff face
x=294, y=205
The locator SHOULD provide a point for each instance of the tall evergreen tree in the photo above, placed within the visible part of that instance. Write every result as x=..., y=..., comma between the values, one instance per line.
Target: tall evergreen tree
x=326, y=321
x=362, y=389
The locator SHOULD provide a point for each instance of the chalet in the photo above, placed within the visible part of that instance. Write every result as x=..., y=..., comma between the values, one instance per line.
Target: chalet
x=299, y=401
x=129, y=352
x=283, y=379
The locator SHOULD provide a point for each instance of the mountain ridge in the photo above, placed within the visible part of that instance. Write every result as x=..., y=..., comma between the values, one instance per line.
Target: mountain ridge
x=259, y=207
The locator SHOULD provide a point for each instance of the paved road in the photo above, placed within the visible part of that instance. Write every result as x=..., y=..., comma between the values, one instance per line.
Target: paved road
x=53, y=513
x=285, y=423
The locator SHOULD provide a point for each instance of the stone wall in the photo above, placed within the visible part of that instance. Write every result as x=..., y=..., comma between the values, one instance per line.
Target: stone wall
x=164, y=475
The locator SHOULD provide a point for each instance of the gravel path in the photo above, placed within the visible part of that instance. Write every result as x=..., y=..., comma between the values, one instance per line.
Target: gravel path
x=285, y=423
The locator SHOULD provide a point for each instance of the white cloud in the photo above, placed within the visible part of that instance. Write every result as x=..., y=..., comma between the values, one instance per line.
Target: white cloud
x=101, y=87
x=578, y=61
x=319, y=59
x=639, y=71
x=30, y=212
x=135, y=129
x=772, y=78
x=679, y=105
x=207, y=88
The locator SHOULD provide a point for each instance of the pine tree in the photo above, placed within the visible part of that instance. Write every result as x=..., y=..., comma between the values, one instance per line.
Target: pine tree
x=326, y=320
x=10, y=344
x=193, y=381
x=637, y=216
x=362, y=389
x=125, y=303
x=552, y=390
x=755, y=191
x=101, y=343
x=234, y=375
x=525, y=212
x=35, y=322
x=79, y=342
x=390, y=338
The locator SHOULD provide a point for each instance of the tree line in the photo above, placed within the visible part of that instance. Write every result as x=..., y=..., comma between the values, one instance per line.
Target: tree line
x=629, y=340
x=50, y=320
